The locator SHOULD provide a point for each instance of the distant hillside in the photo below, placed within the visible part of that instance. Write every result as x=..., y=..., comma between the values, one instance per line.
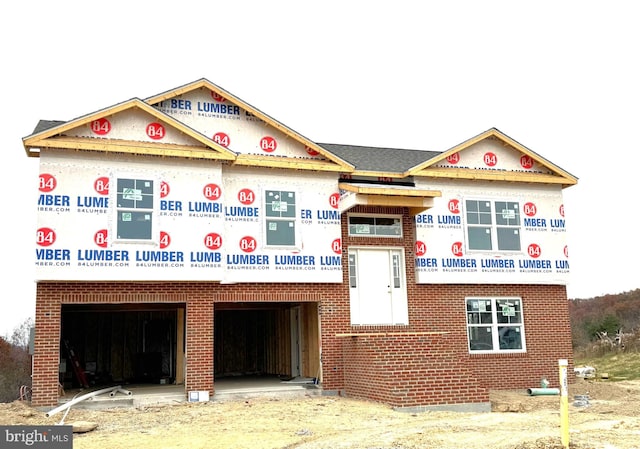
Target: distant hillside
x=608, y=313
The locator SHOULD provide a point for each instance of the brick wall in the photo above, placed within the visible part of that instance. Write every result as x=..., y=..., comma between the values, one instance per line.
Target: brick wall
x=198, y=297
x=441, y=308
x=410, y=369
x=436, y=331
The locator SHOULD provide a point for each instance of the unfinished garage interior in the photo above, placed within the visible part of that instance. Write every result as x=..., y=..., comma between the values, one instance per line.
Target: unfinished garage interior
x=134, y=344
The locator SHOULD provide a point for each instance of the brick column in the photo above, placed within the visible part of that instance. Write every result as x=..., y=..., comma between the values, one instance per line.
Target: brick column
x=46, y=356
x=199, y=353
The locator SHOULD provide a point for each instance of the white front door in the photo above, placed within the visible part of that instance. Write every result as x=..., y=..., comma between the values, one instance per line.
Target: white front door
x=378, y=293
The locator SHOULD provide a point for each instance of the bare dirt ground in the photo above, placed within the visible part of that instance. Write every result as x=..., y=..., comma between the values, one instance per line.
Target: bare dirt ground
x=611, y=420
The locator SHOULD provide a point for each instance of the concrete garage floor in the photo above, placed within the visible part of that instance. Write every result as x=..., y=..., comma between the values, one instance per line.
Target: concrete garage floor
x=226, y=389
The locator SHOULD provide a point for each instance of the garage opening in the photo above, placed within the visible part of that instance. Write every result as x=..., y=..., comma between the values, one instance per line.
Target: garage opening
x=130, y=344
x=267, y=340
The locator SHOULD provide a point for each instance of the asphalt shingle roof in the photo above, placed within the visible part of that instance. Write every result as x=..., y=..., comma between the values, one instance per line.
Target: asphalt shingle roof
x=44, y=125
x=394, y=160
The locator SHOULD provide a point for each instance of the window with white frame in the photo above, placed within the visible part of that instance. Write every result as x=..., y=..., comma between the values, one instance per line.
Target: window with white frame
x=495, y=324
x=493, y=225
x=134, y=208
x=366, y=225
x=280, y=221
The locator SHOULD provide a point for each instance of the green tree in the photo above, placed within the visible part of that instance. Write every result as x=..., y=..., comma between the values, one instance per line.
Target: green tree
x=595, y=325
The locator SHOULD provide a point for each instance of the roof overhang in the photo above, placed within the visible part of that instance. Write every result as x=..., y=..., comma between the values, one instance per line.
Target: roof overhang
x=415, y=199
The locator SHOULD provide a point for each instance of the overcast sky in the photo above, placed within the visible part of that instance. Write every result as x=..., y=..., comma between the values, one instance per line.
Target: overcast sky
x=560, y=77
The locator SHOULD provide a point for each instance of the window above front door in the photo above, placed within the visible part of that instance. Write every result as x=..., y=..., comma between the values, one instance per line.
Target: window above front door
x=367, y=225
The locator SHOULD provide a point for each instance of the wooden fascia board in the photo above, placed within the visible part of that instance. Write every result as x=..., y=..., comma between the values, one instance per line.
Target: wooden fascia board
x=570, y=179
x=131, y=147
x=279, y=126
x=261, y=115
x=535, y=156
x=30, y=151
x=379, y=174
x=413, y=211
x=178, y=91
x=66, y=126
x=389, y=191
x=415, y=204
x=449, y=152
x=286, y=162
x=186, y=130
x=487, y=175
x=397, y=200
x=30, y=141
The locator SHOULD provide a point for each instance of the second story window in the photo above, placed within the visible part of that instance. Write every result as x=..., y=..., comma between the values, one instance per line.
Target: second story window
x=493, y=225
x=134, y=203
